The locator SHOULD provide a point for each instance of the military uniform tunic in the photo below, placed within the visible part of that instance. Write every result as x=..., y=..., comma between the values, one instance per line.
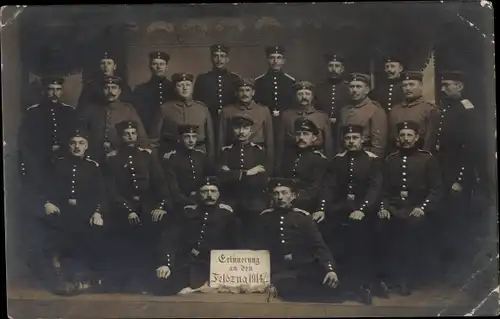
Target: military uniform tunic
x=274, y=90
x=147, y=99
x=388, y=93
x=307, y=167
x=285, y=140
x=370, y=115
x=425, y=114
x=92, y=93
x=193, y=113
x=216, y=89
x=262, y=129
x=331, y=96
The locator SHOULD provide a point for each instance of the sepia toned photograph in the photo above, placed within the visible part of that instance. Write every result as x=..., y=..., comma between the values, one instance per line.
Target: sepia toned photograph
x=301, y=159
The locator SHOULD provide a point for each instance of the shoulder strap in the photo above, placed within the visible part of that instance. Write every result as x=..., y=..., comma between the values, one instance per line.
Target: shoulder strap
x=301, y=211
x=226, y=207
x=32, y=107
x=267, y=211
x=373, y=155
x=92, y=161
x=320, y=154
x=169, y=154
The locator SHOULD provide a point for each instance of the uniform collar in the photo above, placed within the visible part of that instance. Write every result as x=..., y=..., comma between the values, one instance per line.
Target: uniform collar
x=272, y=72
x=308, y=110
x=306, y=150
x=241, y=106
x=409, y=151
x=182, y=103
x=362, y=103
x=414, y=102
x=394, y=81
x=114, y=104
x=220, y=71
x=125, y=149
x=156, y=79
x=335, y=81
x=238, y=144
x=354, y=153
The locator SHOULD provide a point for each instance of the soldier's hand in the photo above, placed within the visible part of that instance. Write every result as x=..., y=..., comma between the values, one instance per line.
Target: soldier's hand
x=333, y=120
x=193, y=193
x=261, y=168
x=357, y=215
x=253, y=171
x=112, y=153
x=163, y=272
x=133, y=219
x=96, y=219
x=55, y=148
x=157, y=214
x=384, y=214
x=417, y=212
x=51, y=209
x=456, y=187
x=225, y=168
x=72, y=202
x=331, y=280
x=318, y=216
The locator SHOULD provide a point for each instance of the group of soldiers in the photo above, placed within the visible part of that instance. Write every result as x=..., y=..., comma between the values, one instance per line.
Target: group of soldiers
x=341, y=183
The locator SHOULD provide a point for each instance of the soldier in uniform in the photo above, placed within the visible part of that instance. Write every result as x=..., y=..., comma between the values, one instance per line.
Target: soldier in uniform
x=274, y=88
x=102, y=119
x=388, y=92
x=333, y=93
x=306, y=165
x=185, y=166
x=141, y=202
x=365, y=112
x=414, y=108
x=302, y=266
x=43, y=132
x=285, y=141
x=185, y=110
x=412, y=190
x=216, y=88
x=184, y=251
x=92, y=89
x=243, y=173
x=352, y=193
x=74, y=206
x=149, y=96
x=262, y=129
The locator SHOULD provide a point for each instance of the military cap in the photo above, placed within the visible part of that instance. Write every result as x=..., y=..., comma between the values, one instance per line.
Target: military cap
x=52, y=80
x=303, y=85
x=187, y=128
x=159, y=55
x=392, y=58
x=80, y=130
x=413, y=75
x=334, y=57
x=108, y=54
x=304, y=124
x=219, y=48
x=113, y=79
x=452, y=76
x=279, y=49
x=210, y=181
x=407, y=125
x=178, y=77
x=122, y=126
x=246, y=82
x=242, y=120
x=285, y=182
x=352, y=128
x=360, y=77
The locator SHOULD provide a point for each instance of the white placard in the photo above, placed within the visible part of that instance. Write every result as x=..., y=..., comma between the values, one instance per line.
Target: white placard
x=236, y=268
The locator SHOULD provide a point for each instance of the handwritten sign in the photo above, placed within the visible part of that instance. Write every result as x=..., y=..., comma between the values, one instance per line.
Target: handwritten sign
x=235, y=268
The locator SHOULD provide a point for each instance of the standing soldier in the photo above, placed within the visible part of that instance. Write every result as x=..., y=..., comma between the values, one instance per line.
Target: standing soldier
x=185, y=166
x=184, y=251
x=274, y=88
x=44, y=129
x=388, y=92
x=185, y=110
x=102, y=119
x=243, y=173
x=140, y=198
x=306, y=165
x=367, y=113
x=216, y=88
x=149, y=96
x=300, y=260
x=333, y=93
x=92, y=89
x=285, y=141
x=74, y=206
x=262, y=129
x=414, y=108
x=412, y=190
x=352, y=193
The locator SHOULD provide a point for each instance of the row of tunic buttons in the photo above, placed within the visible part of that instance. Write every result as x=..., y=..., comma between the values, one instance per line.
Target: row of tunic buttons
x=404, y=188
x=160, y=87
x=203, y=228
x=282, y=230
x=333, y=101
x=132, y=169
x=440, y=126
x=275, y=90
x=389, y=101
x=191, y=162
x=242, y=158
x=108, y=121
x=54, y=127
x=351, y=172
x=296, y=165
x=219, y=91
x=73, y=180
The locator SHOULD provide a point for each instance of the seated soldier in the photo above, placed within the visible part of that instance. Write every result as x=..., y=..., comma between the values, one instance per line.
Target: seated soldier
x=307, y=166
x=353, y=186
x=140, y=199
x=412, y=189
x=184, y=251
x=185, y=166
x=301, y=263
x=74, y=205
x=243, y=174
